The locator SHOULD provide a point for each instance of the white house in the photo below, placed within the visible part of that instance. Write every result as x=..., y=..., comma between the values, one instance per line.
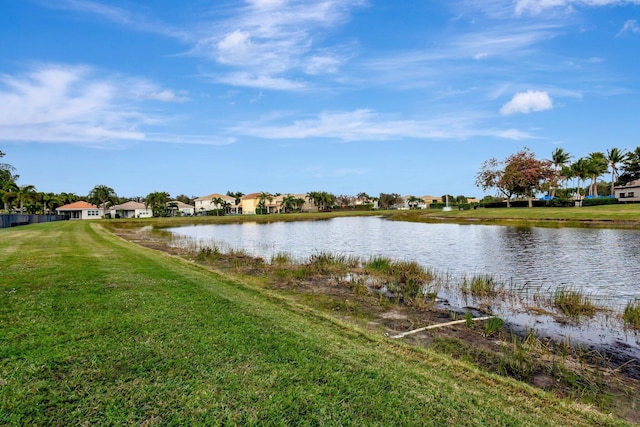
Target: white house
x=130, y=209
x=629, y=192
x=81, y=210
x=177, y=206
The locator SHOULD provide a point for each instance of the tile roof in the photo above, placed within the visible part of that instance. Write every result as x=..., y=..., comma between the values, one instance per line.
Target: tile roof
x=215, y=195
x=129, y=206
x=76, y=206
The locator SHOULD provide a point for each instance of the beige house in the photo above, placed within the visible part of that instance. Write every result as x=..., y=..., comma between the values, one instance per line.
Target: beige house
x=131, y=209
x=629, y=192
x=81, y=210
x=205, y=203
x=179, y=208
x=250, y=203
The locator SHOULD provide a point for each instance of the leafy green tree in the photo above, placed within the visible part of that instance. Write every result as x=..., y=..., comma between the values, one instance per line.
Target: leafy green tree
x=387, y=201
x=186, y=199
x=100, y=195
x=363, y=197
x=525, y=175
x=630, y=167
x=157, y=201
x=491, y=176
x=615, y=156
x=217, y=203
x=414, y=202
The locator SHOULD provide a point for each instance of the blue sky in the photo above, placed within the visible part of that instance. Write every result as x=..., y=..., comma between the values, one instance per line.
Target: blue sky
x=292, y=96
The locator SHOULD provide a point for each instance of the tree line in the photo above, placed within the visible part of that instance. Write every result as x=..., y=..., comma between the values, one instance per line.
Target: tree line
x=523, y=175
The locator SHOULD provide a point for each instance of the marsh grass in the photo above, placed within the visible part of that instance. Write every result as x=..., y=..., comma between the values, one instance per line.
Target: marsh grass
x=631, y=314
x=481, y=285
x=573, y=302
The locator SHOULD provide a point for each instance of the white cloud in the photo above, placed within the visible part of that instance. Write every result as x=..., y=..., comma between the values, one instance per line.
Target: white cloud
x=538, y=6
x=58, y=103
x=367, y=125
x=260, y=81
x=527, y=102
x=631, y=26
x=270, y=38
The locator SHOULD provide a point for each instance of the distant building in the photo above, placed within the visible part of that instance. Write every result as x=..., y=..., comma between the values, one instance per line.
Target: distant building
x=131, y=209
x=176, y=206
x=629, y=192
x=81, y=210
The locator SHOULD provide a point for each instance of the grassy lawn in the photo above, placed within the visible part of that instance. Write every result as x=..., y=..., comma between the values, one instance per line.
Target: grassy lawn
x=607, y=215
x=96, y=330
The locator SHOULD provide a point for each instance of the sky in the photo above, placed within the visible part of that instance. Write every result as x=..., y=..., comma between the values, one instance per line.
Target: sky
x=289, y=96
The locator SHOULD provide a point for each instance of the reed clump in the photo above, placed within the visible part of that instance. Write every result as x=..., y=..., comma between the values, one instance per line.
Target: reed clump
x=481, y=285
x=573, y=303
x=631, y=315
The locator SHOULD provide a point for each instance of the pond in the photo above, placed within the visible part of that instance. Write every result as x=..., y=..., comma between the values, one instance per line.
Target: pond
x=604, y=263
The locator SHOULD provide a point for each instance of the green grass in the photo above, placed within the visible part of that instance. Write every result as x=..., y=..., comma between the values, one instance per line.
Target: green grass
x=631, y=315
x=96, y=330
x=482, y=285
x=573, y=303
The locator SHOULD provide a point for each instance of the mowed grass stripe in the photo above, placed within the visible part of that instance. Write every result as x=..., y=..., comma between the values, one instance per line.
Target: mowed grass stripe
x=96, y=330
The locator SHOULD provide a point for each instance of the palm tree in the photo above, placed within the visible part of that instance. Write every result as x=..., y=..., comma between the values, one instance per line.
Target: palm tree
x=615, y=156
x=8, y=193
x=101, y=194
x=26, y=194
x=158, y=202
x=237, y=196
x=580, y=170
x=289, y=202
x=559, y=158
x=598, y=166
x=262, y=201
x=217, y=203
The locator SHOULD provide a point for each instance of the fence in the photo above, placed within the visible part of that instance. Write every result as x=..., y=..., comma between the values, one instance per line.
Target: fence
x=12, y=220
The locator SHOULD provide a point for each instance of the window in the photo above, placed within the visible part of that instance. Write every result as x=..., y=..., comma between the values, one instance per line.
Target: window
x=622, y=195
x=630, y=194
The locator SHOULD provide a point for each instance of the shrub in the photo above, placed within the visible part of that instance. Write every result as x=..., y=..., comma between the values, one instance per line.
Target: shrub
x=573, y=303
x=631, y=314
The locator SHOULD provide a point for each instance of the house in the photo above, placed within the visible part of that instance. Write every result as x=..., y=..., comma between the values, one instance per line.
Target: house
x=629, y=192
x=429, y=200
x=250, y=203
x=80, y=210
x=180, y=209
x=408, y=202
x=131, y=209
x=205, y=203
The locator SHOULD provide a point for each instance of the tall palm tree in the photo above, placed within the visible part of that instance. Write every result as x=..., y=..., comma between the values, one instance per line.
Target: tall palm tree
x=559, y=158
x=158, y=202
x=580, y=170
x=101, y=194
x=262, y=201
x=598, y=166
x=217, y=202
x=615, y=156
x=8, y=193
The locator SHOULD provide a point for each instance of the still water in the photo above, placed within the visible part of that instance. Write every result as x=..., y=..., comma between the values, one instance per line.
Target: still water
x=603, y=263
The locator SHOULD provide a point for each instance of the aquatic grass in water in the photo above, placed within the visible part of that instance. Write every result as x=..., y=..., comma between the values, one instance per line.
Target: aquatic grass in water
x=379, y=264
x=281, y=258
x=631, y=315
x=573, y=303
x=482, y=285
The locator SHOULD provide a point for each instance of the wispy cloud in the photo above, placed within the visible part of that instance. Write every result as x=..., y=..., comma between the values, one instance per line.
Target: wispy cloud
x=527, y=102
x=268, y=40
x=120, y=16
x=58, y=103
x=367, y=125
x=631, y=26
x=538, y=6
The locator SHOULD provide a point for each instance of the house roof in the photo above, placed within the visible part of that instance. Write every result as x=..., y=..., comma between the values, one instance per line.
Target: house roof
x=76, y=206
x=181, y=205
x=635, y=183
x=214, y=196
x=129, y=206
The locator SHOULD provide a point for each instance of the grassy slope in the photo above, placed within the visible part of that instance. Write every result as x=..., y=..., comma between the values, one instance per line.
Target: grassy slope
x=98, y=330
x=608, y=213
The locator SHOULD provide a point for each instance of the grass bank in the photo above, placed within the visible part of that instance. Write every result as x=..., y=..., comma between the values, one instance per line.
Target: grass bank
x=97, y=330
x=607, y=216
